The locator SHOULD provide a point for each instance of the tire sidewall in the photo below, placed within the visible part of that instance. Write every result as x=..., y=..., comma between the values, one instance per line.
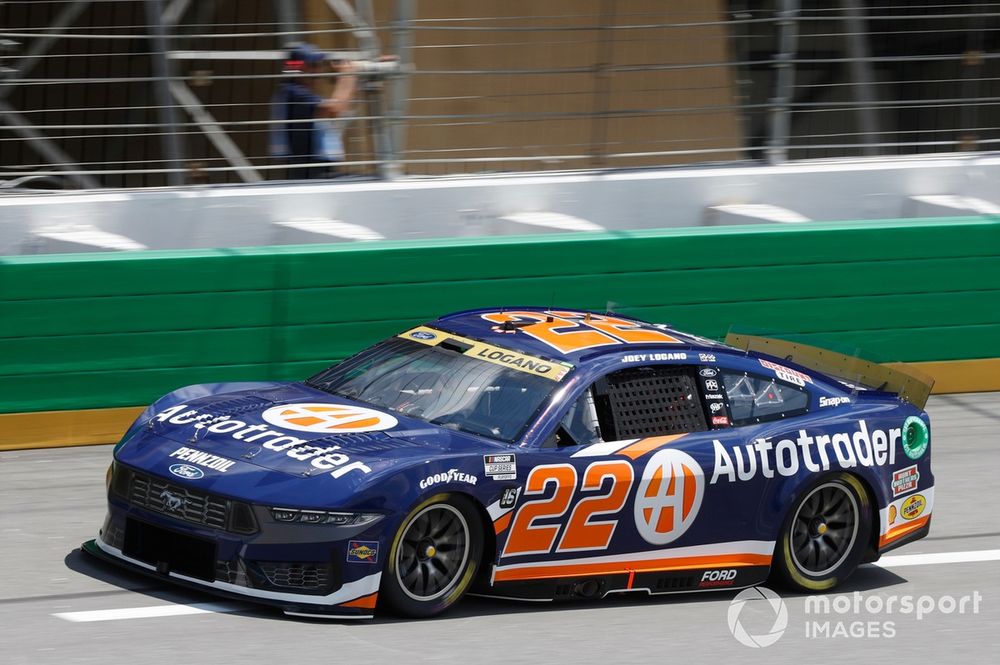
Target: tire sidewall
x=391, y=591
x=789, y=575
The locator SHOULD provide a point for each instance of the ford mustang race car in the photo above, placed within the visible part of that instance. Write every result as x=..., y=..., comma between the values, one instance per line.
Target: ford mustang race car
x=526, y=453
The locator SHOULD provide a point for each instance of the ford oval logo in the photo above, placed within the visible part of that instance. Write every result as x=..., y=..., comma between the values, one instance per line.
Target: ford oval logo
x=187, y=471
x=422, y=334
x=708, y=372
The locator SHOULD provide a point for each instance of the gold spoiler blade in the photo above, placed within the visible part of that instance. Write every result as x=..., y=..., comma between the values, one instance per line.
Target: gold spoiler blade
x=909, y=384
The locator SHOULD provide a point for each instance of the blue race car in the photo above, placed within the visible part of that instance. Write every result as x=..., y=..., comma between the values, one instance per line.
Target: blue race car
x=530, y=454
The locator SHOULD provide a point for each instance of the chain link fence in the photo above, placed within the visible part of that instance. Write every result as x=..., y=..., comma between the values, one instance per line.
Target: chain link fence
x=100, y=93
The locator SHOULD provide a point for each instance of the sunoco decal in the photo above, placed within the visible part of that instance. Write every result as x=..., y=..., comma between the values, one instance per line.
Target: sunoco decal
x=819, y=452
x=362, y=551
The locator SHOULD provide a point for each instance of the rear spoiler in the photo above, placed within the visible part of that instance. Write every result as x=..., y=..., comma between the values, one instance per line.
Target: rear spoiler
x=909, y=384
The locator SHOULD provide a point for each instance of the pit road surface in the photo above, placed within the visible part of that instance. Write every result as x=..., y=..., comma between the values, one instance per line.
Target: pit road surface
x=52, y=500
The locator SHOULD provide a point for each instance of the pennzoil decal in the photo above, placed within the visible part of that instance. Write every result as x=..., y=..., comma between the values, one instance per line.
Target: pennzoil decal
x=496, y=355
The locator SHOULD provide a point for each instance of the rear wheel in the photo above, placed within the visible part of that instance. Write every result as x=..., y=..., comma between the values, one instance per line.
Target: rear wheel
x=825, y=536
x=434, y=557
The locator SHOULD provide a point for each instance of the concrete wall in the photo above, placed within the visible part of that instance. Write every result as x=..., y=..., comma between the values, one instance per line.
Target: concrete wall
x=413, y=209
x=118, y=329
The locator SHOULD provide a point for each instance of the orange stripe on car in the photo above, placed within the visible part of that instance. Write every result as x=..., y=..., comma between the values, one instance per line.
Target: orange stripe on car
x=366, y=602
x=901, y=530
x=631, y=567
x=501, y=523
x=643, y=446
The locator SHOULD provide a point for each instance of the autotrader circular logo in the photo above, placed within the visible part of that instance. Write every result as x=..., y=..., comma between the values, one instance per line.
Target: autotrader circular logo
x=328, y=418
x=757, y=617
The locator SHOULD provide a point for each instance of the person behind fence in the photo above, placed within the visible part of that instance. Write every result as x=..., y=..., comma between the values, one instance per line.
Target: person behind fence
x=307, y=132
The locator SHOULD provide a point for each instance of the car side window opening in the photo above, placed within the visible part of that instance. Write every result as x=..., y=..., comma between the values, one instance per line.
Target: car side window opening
x=634, y=403
x=754, y=399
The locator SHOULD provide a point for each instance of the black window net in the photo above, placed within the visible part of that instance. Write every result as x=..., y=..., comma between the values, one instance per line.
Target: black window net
x=649, y=401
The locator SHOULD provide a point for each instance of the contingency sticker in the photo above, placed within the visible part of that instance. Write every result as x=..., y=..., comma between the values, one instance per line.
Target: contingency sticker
x=362, y=551
x=500, y=467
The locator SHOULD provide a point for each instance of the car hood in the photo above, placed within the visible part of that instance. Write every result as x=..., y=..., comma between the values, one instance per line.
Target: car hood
x=292, y=429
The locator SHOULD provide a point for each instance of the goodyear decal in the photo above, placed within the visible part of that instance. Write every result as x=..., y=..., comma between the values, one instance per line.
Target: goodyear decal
x=490, y=353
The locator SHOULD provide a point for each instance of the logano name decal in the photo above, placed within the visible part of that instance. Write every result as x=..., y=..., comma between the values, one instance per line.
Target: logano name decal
x=323, y=458
x=819, y=452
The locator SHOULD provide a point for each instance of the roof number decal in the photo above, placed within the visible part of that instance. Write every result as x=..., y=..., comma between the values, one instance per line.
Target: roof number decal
x=568, y=332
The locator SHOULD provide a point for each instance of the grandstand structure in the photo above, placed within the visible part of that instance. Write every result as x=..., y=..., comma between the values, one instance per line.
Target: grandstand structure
x=98, y=94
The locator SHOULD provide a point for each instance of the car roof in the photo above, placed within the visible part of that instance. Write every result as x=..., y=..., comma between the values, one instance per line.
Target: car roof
x=505, y=326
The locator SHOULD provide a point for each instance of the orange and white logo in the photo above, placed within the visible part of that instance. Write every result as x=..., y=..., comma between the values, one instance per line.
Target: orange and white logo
x=668, y=497
x=328, y=418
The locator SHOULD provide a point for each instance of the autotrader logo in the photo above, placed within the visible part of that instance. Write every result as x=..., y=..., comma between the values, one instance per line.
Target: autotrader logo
x=757, y=617
x=328, y=418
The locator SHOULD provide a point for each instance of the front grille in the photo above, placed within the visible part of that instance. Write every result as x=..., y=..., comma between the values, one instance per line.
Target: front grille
x=189, y=505
x=169, y=499
x=304, y=577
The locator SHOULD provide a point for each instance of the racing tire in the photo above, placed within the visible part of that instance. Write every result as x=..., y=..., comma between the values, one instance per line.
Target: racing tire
x=825, y=536
x=434, y=557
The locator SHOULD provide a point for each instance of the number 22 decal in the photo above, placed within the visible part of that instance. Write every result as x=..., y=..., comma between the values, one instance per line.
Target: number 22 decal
x=582, y=531
x=668, y=497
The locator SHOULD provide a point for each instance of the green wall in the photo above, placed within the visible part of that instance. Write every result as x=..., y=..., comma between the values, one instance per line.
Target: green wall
x=103, y=330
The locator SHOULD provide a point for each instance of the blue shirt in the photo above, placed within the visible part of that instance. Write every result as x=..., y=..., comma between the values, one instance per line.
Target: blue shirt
x=301, y=141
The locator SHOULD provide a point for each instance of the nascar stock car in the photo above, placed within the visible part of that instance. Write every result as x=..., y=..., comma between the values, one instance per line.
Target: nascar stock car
x=527, y=453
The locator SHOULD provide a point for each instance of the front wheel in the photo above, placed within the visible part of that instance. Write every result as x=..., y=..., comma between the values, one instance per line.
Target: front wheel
x=434, y=557
x=825, y=536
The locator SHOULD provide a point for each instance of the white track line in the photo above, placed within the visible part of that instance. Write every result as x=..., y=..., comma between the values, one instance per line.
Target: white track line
x=148, y=612
x=901, y=560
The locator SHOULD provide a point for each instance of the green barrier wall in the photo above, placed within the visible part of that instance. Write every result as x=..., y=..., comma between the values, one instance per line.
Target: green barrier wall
x=103, y=330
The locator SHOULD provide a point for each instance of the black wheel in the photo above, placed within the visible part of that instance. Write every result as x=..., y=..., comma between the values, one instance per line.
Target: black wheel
x=434, y=557
x=825, y=536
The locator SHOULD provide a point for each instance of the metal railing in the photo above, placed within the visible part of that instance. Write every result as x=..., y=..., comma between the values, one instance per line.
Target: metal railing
x=95, y=93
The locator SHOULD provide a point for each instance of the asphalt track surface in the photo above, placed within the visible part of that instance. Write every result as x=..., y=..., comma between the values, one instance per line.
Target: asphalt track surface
x=52, y=500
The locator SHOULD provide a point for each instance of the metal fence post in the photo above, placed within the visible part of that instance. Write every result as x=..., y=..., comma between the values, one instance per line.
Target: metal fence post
x=161, y=88
x=861, y=74
x=784, y=86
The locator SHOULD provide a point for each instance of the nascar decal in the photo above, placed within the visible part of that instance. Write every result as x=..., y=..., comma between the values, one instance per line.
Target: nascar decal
x=496, y=355
x=500, y=467
x=816, y=453
x=323, y=458
x=567, y=332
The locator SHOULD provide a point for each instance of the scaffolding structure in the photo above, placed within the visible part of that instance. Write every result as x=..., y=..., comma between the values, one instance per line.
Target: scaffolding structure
x=134, y=93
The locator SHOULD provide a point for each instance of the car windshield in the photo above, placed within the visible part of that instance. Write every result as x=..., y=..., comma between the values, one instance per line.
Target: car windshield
x=442, y=384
